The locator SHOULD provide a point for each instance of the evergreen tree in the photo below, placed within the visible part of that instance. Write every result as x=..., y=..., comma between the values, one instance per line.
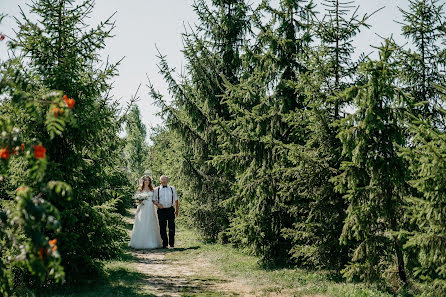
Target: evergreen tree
x=164, y=157
x=318, y=210
x=262, y=104
x=427, y=158
x=424, y=66
x=336, y=31
x=212, y=53
x=374, y=177
x=136, y=149
x=64, y=55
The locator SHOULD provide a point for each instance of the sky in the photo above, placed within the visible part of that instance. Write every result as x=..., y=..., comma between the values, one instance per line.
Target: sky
x=143, y=25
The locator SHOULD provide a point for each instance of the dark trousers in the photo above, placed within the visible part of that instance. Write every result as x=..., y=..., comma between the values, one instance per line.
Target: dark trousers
x=167, y=216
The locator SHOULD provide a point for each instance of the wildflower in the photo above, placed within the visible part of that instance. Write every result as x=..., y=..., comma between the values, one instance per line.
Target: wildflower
x=39, y=151
x=4, y=153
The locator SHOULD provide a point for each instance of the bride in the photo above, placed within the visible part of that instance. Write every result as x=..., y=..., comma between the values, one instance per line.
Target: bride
x=145, y=233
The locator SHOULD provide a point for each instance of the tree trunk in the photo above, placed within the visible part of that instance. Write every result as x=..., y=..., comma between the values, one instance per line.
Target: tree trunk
x=400, y=258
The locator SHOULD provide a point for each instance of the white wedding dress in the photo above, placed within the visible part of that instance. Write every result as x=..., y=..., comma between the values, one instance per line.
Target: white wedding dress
x=146, y=231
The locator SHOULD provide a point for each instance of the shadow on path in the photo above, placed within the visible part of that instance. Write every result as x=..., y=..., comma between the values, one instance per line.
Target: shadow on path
x=118, y=282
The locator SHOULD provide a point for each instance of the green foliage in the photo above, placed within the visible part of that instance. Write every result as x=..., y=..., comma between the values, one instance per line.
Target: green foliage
x=339, y=25
x=296, y=152
x=424, y=25
x=317, y=210
x=374, y=177
x=427, y=157
x=79, y=130
x=278, y=142
x=212, y=51
x=136, y=149
x=27, y=219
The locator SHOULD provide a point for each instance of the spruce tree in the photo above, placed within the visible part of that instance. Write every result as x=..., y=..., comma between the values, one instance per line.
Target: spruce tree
x=212, y=51
x=339, y=25
x=318, y=210
x=262, y=104
x=374, y=176
x=136, y=149
x=423, y=75
x=427, y=158
x=63, y=54
x=424, y=25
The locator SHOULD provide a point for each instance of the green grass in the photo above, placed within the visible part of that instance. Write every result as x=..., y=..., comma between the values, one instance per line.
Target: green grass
x=122, y=279
x=297, y=282
x=119, y=279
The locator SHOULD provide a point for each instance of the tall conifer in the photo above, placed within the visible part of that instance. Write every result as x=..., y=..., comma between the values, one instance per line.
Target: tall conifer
x=424, y=25
x=63, y=51
x=374, y=176
x=212, y=51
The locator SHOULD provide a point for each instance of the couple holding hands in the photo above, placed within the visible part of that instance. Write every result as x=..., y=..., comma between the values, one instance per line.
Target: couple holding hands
x=149, y=229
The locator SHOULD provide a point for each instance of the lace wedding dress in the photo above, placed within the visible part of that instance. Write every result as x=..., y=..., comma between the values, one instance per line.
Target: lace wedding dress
x=146, y=232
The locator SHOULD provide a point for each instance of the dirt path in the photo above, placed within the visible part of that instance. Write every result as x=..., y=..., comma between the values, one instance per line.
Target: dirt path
x=173, y=277
x=175, y=272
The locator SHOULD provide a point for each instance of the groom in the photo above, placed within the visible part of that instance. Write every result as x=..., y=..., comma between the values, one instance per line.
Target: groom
x=165, y=198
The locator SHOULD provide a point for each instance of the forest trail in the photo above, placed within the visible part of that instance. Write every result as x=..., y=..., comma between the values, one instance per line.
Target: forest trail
x=185, y=271
x=167, y=276
x=197, y=269
x=175, y=272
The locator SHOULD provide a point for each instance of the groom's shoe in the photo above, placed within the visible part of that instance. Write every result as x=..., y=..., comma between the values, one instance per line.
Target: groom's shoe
x=171, y=246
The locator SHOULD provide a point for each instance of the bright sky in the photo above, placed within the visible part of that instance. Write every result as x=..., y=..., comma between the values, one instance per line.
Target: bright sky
x=142, y=24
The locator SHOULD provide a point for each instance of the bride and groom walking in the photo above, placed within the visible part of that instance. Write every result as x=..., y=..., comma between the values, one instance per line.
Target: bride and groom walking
x=149, y=229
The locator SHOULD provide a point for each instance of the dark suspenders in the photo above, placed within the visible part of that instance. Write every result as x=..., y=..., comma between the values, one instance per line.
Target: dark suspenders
x=159, y=194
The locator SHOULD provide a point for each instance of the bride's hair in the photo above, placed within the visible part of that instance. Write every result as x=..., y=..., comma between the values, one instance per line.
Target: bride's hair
x=141, y=186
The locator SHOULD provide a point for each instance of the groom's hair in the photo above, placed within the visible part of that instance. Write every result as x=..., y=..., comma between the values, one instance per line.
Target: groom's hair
x=164, y=177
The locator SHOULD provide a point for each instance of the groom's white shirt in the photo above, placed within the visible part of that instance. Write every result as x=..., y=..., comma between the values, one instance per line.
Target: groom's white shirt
x=165, y=195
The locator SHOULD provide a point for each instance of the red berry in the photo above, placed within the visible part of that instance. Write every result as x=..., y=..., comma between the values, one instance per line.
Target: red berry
x=39, y=151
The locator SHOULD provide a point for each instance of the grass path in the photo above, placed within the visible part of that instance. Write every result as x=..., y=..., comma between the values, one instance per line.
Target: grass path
x=194, y=268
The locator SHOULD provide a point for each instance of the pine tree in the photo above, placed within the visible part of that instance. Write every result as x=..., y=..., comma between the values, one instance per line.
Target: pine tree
x=374, y=177
x=262, y=104
x=318, y=210
x=427, y=158
x=212, y=52
x=424, y=24
x=336, y=31
x=136, y=149
x=63, y=51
